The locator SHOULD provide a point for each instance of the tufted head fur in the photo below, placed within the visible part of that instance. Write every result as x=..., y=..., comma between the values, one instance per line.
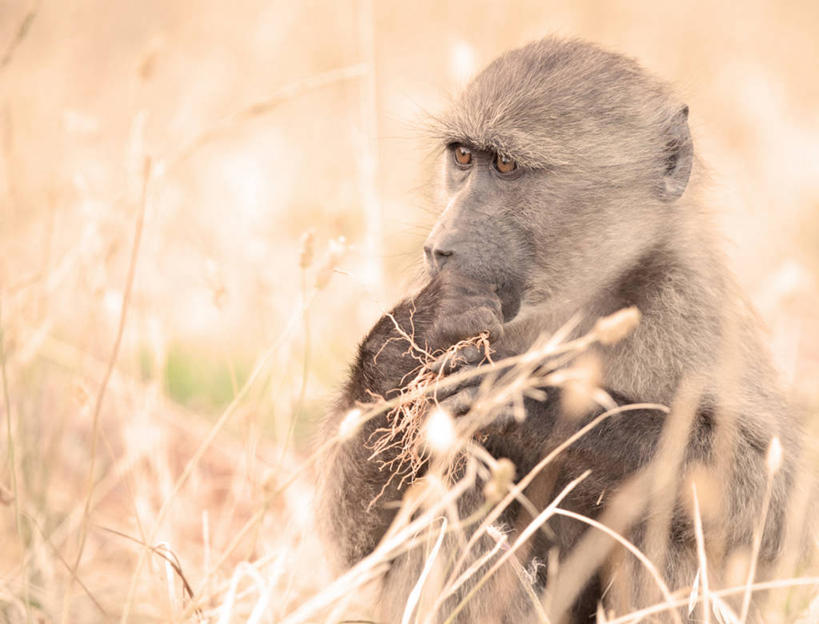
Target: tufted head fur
x=525, y=106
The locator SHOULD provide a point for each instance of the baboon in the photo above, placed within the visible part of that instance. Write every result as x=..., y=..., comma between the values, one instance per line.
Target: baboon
x=569, y=192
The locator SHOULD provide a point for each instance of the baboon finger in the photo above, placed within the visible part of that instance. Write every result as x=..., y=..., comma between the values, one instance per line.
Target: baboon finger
x=461, y=402
x=451, y=362
x=450, y=330
x=447, y=390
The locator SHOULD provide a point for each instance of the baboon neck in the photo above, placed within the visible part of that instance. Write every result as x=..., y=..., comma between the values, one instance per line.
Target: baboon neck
x=681, y=322
x=681, y=296
x=648, y=283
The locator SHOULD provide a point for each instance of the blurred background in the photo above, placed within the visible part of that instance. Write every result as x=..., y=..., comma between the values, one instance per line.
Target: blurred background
x=204, y=206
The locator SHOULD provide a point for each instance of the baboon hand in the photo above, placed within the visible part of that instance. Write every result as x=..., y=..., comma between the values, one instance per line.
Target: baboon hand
x=464, y=360
x=466, y=308
x=468, y=400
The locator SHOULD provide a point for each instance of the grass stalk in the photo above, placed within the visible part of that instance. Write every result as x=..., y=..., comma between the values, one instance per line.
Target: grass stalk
x=12, y=462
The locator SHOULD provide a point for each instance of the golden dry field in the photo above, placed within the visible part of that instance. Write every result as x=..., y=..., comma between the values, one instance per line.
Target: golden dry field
x=203, y=208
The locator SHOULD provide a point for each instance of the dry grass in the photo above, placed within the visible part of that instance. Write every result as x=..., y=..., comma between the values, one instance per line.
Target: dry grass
x=169, y=341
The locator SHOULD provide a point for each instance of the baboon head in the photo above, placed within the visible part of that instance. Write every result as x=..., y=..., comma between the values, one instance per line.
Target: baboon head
x=563, y=163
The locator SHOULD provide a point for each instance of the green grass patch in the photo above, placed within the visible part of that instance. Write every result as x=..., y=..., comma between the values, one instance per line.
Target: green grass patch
x=201, y=380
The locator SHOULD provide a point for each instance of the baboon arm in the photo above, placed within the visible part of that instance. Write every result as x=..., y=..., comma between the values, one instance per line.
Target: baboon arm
x=352, y=479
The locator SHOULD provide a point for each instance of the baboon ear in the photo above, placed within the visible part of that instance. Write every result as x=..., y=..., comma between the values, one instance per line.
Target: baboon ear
x=678, y=155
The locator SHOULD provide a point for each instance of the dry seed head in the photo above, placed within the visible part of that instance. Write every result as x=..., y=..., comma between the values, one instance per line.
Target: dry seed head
x=612, y=329
x=269, y=482
x=774, y=457
x=335, y=249
x=350, y=424
x=417, y=490
x=306, y=249
x=440, y=431
x=6, y=495
x=216, y=283
x=81, y=395
x=503, y=472
x=580, y=386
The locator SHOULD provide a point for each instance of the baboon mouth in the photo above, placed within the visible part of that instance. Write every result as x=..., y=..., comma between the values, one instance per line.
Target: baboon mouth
x=510, y=296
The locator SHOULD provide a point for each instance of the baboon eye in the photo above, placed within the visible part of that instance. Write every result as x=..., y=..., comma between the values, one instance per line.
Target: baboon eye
x=463, y=155
x=504, y=164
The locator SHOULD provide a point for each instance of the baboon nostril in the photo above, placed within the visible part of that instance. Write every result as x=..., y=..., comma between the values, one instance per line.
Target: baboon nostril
x=435, y=256
x=441, y=256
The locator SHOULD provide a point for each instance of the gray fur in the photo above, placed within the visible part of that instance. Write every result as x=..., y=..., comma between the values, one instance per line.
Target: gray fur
x=601, y=213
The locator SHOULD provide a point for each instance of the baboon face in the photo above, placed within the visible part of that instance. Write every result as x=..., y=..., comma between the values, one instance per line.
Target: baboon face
x=562, y=164
x=480, y=233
